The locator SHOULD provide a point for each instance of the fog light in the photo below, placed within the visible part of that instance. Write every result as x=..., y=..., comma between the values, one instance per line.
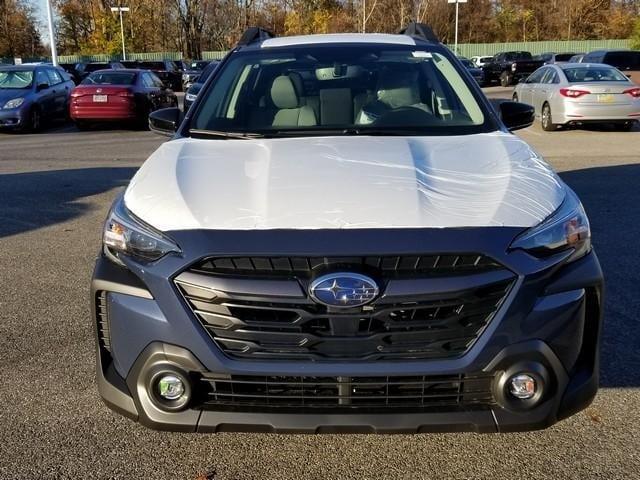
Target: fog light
x=170, y=387
x=522, y=386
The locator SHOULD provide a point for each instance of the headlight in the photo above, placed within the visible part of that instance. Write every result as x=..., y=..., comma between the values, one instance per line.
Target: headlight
x=15, y=103
x=567, y=228
x=190, y=97
x=126, y=235
x=514, y=67
x=185, y=77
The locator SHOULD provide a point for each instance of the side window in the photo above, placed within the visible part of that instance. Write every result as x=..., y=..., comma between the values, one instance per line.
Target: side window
x=591, y=58
x=156, y=81
x=536, y=77
x=147, y=81
x=550, y=76
x=54, y=77
x=41, y=78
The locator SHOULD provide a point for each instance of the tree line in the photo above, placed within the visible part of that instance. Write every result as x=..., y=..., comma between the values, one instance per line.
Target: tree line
x=194, y=26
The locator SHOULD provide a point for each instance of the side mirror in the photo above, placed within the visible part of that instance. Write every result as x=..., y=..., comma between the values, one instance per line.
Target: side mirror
x=517, y=116
x=165, y=121
x=42, y=86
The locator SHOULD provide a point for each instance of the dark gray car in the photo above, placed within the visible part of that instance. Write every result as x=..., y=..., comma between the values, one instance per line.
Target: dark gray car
x=33, y=94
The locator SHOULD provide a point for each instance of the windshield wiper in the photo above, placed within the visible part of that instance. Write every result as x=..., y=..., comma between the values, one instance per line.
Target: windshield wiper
x=349, y=132
x=222, y=134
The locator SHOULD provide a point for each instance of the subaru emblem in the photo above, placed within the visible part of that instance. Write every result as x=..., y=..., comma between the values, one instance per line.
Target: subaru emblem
x=343, y=290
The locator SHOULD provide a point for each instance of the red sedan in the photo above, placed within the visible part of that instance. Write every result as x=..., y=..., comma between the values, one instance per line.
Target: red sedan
x=119, y=95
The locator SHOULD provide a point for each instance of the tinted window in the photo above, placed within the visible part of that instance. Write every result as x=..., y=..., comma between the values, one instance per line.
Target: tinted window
x=110, y=78
x=153, y=65
x=512, y=56
x=623, y=60
x=14, y=79
x=388, y=88
x=594, y=74
x=92, y=67
x=563, y=57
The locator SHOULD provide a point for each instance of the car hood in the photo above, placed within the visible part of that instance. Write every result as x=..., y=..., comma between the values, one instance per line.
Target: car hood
x=7, y=94
x=344, y=182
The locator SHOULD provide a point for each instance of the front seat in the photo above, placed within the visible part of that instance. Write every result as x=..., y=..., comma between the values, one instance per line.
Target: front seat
x=290, y=113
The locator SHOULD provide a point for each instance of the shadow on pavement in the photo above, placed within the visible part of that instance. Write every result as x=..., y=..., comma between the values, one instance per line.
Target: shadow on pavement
x=611, y=196
x=33, y=200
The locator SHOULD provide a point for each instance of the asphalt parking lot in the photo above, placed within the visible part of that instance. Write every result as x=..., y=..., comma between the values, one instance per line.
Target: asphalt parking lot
x=55, y=189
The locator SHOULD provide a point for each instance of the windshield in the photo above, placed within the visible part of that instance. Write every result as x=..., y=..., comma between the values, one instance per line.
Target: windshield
x=594, y=74
x=467, y=63
x=348, y=90
x=110, y=78
x=15, y=79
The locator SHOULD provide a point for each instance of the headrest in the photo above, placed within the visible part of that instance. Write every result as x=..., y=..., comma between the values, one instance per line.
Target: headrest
x=283, y=93
x=398, y=89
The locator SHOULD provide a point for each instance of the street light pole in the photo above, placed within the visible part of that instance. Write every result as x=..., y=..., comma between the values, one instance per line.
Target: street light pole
x=120, y=10
x=52, y=38
x=457, y=2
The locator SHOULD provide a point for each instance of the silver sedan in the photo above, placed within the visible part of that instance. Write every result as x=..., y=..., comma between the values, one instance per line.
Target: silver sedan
x=578, y=93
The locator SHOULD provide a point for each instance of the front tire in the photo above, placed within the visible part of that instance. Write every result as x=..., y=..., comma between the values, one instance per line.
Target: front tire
x=33, y=123
x=547, y=119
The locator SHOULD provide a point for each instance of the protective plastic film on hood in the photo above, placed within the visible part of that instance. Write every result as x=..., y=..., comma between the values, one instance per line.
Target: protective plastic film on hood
x=345, y=182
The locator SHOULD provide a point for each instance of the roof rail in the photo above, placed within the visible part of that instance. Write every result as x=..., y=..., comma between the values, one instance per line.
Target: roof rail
x=420, y=30
x=254, y=34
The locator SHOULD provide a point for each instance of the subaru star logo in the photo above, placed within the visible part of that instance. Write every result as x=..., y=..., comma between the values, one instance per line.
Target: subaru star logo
x=343, y=290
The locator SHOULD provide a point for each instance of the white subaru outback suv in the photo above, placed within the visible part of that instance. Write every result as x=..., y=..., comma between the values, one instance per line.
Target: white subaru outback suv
x=343, y=235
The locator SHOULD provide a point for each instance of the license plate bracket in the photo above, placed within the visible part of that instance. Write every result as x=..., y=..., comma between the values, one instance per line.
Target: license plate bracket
x=100, y=98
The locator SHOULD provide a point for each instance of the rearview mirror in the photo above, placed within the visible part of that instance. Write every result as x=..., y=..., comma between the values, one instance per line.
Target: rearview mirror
x=165, y=121
x=517, y=116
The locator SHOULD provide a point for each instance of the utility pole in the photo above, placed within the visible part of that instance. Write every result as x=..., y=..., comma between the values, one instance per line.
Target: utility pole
x=120, y=10
x=457, y=2
x=52, y=37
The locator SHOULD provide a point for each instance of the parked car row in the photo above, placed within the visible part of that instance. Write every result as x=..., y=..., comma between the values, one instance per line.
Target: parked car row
x=32, y=95
x=509, y=68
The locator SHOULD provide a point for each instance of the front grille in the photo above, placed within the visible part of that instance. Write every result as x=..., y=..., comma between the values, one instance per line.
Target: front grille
x=102, y=316
x=346, y=393
x=394, y=265
x=264, y=318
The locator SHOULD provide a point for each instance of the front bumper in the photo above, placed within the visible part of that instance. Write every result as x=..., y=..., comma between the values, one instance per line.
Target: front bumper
x=553, y=320
x=13, y=118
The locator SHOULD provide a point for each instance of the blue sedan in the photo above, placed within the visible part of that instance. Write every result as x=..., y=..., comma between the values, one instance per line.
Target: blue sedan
x=31, y=95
